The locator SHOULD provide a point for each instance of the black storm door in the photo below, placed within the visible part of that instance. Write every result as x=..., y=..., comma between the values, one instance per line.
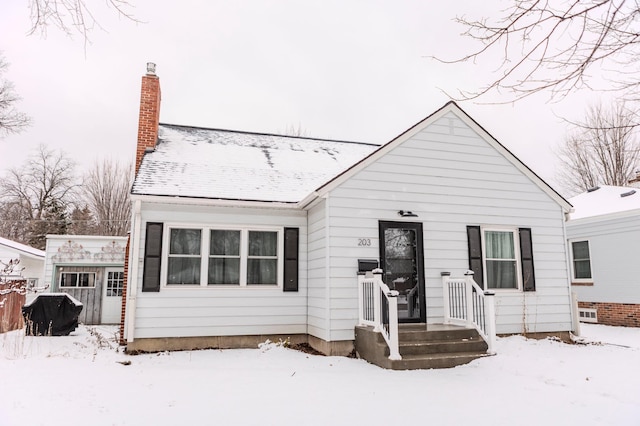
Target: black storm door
x=402, y=260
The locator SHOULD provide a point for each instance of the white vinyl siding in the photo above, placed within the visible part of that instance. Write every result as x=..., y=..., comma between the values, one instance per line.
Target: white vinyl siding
x=450, y=177
x=613, y=251
x=318, y=285
x=177, y=311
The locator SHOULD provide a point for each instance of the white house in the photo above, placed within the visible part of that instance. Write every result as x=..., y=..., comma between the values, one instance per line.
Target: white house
x=31, y=261
x=91, y=269
x=604, y=234
x=240, y=236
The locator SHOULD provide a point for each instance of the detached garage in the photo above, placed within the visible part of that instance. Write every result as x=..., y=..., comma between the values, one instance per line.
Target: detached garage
x=91, y=269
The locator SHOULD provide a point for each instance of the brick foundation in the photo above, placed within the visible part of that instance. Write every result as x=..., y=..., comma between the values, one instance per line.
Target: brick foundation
x=620, y=314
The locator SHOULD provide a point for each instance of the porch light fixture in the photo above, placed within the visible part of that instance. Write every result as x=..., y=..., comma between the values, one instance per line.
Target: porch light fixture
x=406, y=213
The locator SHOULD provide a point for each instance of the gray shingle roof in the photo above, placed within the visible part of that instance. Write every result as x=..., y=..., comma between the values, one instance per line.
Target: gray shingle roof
x=224, y=164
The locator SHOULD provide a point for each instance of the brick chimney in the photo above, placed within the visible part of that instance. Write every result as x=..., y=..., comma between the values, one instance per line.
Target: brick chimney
x=149, y=113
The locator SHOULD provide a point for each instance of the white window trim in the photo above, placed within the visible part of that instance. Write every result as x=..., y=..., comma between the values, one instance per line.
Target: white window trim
x=573, y=266
x=204, y=256
x=77, y=273
x=516, y=251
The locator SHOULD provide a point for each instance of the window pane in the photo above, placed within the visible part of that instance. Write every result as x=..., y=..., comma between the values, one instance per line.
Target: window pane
x=580, y=250
x=183, y=270
x=185, y=241
x=224, y=271
x=69, y=280
x=399, y=243
x=501, y=274
x=263, y=243
x=499, y=245
x=85, y=280
x=582, y=269
x=225, y=243
x=262, y=271
x=115, y=283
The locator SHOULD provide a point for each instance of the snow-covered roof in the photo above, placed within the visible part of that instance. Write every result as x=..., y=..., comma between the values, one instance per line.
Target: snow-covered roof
x=25, y=249
x=232, y=165
x=605, y=200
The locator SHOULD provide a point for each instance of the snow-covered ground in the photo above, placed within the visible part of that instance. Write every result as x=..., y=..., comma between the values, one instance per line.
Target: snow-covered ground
x=81, y=380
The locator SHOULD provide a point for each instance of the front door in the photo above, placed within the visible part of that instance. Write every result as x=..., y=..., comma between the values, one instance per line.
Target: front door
x=112, y=295
x=402, y=261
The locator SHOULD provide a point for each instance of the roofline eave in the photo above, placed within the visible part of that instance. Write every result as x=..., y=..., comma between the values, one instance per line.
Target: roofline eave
x=214, y=202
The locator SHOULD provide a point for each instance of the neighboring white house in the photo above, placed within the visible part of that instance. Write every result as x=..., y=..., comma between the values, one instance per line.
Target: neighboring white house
x=31, y=261
x=604, y=236
x=91, y=269
x=240, y=236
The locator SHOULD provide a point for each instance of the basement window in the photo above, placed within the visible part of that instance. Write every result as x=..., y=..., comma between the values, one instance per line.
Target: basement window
x=588, y=315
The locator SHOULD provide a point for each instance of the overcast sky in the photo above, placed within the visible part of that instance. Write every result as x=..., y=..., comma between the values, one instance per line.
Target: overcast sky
x=349, y=70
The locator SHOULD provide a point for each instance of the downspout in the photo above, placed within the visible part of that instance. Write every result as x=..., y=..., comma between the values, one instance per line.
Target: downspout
x=575, y=322
x=327, y=265
x=134, y=263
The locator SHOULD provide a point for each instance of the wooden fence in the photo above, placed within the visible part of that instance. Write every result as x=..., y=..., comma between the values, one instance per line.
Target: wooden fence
x=12, y=298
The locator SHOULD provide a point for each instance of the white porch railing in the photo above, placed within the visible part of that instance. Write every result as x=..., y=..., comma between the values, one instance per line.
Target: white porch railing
x=378, y=307
x=466, y=304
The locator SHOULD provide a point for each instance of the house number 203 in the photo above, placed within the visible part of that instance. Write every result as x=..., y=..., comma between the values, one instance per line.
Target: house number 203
x=364, y=242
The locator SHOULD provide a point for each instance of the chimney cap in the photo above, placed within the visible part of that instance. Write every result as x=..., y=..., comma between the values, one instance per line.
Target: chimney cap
x=151, y=68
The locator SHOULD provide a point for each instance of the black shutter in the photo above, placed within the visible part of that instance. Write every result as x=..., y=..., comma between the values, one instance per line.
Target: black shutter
x=526, y=256
x=152, y=257
x=291, y=259
x=474, y=240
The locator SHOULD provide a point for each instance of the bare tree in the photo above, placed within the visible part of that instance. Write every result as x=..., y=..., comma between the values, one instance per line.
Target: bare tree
x=602, y=150
x=71, y=16
x=560, y=46
x=106, y=190
x=34, y=197
x=292, y=130
x=11, y=120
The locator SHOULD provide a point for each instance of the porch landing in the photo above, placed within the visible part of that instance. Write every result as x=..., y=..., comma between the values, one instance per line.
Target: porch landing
x=422, y=346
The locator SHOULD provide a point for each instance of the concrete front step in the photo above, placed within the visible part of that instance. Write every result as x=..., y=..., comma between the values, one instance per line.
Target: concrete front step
x=473, y=344
x=459, y=333
x=424, y=362
x=422, y=346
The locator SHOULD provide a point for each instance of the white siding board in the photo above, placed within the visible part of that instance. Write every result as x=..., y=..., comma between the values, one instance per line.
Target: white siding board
x=433, y=170
x=230, y=330
x=613, y=245
x=451, y=178
x=161, y=314
x=372, y=178
x=354, y=197
x=443, y=151
x=317, y=252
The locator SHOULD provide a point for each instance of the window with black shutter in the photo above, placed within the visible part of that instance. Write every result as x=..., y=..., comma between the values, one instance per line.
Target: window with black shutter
x=526, y=254
x=152, y=257
x=291, y=249
x=493, y=257
x=474, y=241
